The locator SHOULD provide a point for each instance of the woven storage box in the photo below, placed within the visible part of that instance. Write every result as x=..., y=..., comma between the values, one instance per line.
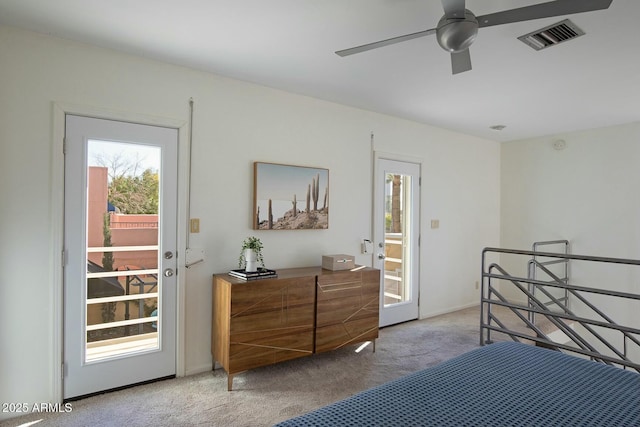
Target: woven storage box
x=338, y=262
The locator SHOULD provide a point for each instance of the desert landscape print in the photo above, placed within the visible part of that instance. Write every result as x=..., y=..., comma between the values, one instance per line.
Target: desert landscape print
x=290, y=197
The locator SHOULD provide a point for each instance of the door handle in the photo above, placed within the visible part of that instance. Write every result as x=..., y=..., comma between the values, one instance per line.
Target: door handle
x=381, y=256
x=168, y=272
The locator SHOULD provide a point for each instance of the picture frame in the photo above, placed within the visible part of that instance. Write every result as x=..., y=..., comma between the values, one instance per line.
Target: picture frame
x=289, y=197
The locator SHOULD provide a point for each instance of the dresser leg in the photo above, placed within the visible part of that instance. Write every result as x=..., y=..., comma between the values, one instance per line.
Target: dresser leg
x=374, y=345
x=229, y=382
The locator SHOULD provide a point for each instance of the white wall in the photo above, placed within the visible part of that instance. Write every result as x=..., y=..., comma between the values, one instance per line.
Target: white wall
x=585, y=193
x=235, y=124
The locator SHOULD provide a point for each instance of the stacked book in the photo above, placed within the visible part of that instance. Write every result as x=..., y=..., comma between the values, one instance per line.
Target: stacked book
x=262, y=273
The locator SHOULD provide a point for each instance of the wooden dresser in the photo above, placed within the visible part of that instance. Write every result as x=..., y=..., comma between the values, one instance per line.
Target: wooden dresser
x=301, y=312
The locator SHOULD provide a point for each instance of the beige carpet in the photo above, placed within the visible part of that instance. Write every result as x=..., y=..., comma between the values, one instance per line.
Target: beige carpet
x=267, y=395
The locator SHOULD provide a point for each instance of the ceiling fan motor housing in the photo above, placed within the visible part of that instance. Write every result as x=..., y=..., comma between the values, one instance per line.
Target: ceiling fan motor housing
x=457, y=34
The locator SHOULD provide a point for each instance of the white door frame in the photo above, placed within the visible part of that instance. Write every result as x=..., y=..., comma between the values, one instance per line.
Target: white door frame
x=60, y=110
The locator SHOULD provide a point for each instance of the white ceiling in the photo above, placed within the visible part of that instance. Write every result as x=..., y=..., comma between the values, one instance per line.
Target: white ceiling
x=590, y=82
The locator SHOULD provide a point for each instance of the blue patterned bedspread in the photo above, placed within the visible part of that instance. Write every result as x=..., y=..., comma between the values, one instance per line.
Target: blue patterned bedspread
x=502, y=384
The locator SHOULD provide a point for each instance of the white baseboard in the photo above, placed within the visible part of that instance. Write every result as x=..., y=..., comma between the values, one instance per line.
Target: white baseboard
x=449, y=310
x=192, y=370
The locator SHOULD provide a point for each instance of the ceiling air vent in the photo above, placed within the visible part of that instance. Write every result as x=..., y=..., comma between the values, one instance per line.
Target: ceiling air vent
x=552, y=35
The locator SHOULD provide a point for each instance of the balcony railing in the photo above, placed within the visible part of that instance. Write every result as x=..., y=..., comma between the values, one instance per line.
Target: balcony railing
x=120, y=225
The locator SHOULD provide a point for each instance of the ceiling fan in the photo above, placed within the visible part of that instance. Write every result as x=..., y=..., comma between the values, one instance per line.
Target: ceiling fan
x=458, y=27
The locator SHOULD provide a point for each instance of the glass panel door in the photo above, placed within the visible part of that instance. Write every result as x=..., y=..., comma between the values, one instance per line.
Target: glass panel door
x=120, y=239
x=396, y=237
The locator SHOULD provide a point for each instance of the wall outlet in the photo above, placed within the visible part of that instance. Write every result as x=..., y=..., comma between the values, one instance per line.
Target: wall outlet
x=435, y=223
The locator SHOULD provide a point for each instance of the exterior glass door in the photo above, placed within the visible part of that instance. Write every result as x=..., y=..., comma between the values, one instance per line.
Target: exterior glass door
x=120, y=239
x=396, y=239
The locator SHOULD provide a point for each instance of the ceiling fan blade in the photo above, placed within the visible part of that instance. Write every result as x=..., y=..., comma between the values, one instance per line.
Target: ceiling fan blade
x=460, y=61
x=387, y=42
x=453, y=8
x=542, y=10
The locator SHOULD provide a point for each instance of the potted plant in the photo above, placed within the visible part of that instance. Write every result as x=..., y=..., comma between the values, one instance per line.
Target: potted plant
x=251, y=254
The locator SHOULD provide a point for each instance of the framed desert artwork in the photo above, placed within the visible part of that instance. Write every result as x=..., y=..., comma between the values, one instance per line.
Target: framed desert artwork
x=287, y=197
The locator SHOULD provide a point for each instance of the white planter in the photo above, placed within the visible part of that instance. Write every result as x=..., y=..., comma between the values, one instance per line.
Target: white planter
x=252, y=260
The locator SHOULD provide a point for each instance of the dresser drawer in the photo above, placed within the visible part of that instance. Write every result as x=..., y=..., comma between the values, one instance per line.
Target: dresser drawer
x=347, y=306
x=264, y=347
